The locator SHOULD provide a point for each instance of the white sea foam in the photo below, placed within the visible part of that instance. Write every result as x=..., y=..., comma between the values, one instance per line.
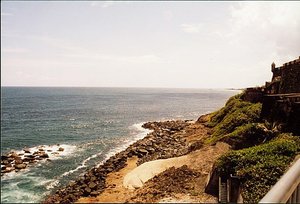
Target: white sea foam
x=68, y=150
x=49, y=149
x=14, y=193
x=82, y=165
x=141, y=133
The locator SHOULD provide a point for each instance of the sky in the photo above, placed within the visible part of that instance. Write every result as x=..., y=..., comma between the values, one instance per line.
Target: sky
x=196, y=44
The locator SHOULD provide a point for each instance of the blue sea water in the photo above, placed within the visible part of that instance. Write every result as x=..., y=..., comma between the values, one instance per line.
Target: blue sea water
x=90, y=123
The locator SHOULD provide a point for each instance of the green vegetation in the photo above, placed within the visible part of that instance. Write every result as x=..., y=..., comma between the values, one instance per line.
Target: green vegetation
x=228, y=121
x=246, y=135
x=260, y=154
x=259, y=167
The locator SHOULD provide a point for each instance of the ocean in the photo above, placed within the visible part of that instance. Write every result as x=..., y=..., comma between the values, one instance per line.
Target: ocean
x=91, y=124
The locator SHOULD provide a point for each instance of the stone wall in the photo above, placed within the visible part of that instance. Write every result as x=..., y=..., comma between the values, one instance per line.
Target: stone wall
x=253, y=95
x=290, y=79
x=283, y=110
x=281, y=97
x=286, y=79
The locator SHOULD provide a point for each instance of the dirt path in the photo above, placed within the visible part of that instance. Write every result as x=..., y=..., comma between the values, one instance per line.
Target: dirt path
x=183, y=184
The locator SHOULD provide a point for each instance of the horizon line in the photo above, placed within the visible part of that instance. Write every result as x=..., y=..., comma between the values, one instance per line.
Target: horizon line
x=29, y=86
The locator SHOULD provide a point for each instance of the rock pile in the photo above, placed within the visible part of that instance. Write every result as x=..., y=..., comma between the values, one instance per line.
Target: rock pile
x=16, y=161
x=171, y=181
x=159, y=144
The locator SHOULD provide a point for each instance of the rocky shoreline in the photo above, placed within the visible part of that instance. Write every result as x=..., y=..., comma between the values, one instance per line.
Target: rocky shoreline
x=165, y=141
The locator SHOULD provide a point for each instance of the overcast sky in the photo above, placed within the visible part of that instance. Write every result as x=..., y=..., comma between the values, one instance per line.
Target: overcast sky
x=146, y=44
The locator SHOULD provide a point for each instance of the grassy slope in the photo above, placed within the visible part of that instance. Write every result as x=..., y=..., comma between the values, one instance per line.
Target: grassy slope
x=267, y=155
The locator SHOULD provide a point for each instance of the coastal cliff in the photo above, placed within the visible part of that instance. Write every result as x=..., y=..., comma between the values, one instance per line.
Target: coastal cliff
x=251, y=141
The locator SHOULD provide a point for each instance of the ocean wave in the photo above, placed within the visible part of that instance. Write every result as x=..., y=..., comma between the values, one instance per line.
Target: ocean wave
x=138, y=133
x=52, y=151
x=14, y=192
x=82, y=165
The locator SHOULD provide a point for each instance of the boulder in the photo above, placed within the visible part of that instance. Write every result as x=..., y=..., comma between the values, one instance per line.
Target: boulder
x=143, y=151
x=94, y=193
x=29, y=156
x=4, y=157
x=10, y=159
x=44, y=155
x=14, y=155
x=92, y=185
x=7, y=170
x=26, y=150
x=4, y=162
x=87, y=190
x=61, y=149
x=18, y=158
x=18, y=161
x=20, y=166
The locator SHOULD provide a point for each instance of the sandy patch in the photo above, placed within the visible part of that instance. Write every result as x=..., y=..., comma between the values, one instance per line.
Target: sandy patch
x=114, y=192
x=138, y=176
x=200, y=160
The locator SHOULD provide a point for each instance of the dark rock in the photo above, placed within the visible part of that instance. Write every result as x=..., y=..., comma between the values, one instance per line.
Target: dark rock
x=26, y=150
x=20, y=166
x=27, y=159
x=4, y=162
x=10, y=159
x=195, y=146
x=61, y=149
x=14, y=155
x=44, y=155
x=92, y=185
x=87, y=190
x=7, y=170
x=94, y=193
x=18, y=161
x=4, y=157
x=143, y=151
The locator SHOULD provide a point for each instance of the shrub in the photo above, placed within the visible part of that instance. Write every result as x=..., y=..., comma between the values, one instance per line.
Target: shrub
x=230, y=106
x=246, y=135
x=236, y=113
x=259, y=167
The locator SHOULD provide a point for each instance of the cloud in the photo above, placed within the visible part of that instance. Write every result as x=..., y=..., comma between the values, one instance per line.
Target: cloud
x=6, y=14
x=133, y=59
x=274, y=24
x=191, y=28
x=14, y=50
x=168, y=15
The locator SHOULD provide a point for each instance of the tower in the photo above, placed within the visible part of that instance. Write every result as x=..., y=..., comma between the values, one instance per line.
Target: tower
x=273, y=66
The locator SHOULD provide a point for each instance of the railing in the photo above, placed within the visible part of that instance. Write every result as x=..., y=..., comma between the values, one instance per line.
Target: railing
x=287, y=189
